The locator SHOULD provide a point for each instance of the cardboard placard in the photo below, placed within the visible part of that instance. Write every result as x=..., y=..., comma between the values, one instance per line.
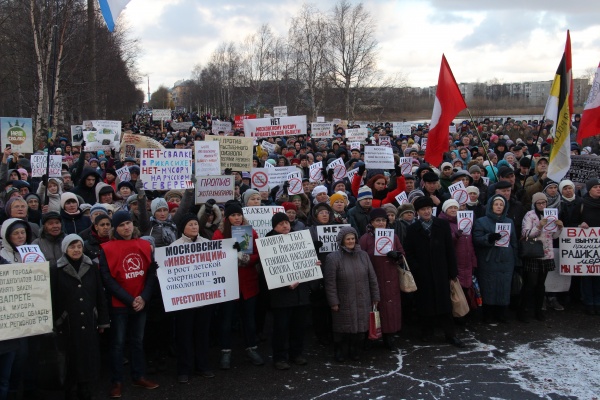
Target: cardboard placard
x=378, y=157
x=260, y=217
x=580, y=251
x=235, y=151
x=504, y=231
x=465, y=221
x=327, y=235
x=220, y=188
x=166, y=169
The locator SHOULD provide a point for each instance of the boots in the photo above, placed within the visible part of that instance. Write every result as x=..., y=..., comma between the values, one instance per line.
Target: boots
x=353, y=346
x=388, y=341
x=338, y=350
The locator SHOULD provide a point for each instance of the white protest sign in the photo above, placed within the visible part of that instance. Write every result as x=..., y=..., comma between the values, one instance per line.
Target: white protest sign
x=401, y=128
x=280, y=111
x=277, y=126
x=108, y=133
x=26, y=308
x=486, y=180
x=197, y=274
x=458, y=191
x=321, y=130
x=321, y=119
x=504, y=231
x=315, y=172
x=260, y=218
x=423, y=143
x=31, y=253
x=219, y=188
x=339, y=168
x=350, y=174
x=402, y=198
x=385, y=141
x=295, y=181
x=378, y=157
x=384, y=241
x=123, y=174
x=76, y=135
x=266, y=115
x=287, y=259
x=551, y=214
x=221, y=126
x=161, y=115
x=434, y=211
x=166, y=169
x=580, y=251
x=38, y=166
x=235, y=151
x=465, y=221
x=207, y=156
x=357, y=134
x=269, y=147
x=406, y=165
x=278, y=175
x=355, y=146
x=259, y=179
x=181, y=126
x=327, y=235
x=269, y=165
x=452, y=128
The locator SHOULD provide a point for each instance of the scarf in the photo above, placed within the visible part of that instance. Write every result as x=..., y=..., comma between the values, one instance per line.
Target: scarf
x=168, y=230
x=589, y=201
x=553, y=201
x=75, y=263
x=427, y=226
x=569, y=199
x=472, y=203
x=98, y=238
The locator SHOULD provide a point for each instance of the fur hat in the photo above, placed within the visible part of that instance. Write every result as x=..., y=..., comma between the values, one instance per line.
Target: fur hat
x=430, y=177
x=422, y=202
x=377, y=213
x=404, y=208
x=449, y=203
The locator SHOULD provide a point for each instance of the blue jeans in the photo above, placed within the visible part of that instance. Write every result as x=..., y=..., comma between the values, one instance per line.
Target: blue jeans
x=6, y=363
x=227, y=312
x=590, y=290
x=128, y=325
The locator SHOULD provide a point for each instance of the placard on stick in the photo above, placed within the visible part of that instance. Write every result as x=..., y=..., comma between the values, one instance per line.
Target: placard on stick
x=287, y=259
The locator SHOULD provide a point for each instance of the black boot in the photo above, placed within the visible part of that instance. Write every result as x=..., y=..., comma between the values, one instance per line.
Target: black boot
x=353, y=346
x=388, y=341
x=338, y=351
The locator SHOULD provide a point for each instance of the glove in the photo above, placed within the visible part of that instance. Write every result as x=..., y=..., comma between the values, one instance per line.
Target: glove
x=459, y=233
x=394, y=255
x=318, y=244
x=45, y=180
x=286, y=185
x=361, y=169
x=139, y=185
x=398, y=171
x=492, y=237
x=228, y=171
x=330, y=175
x=236, y=246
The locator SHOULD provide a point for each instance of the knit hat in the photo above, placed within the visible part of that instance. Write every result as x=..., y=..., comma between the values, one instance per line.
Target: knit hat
x=422, y=202
x=233, y=208
x=474, y=168
x=539, y=196
x=449, y=203
x=319, y=189
x=184, y=221
x=364, y=193
x=132, y=199
x=85, y=207
x=66, y=197
x=389, y=208
x=404, y=208
x=430, y=177
x=472, y=189
x=23, y=171
x=128, y=184
x=289, y=206
x=591, y=183
x=563, y=183
x=50, y=215
x=157, y=204
x=377, y=213
x=279, y=217
x=525, y=162
x=68, y=240
x=100, y=217
x=445, y=164
x=119, y=217
x=335, y=197
x=98, y=208
x=415, y=194
x=247, y=194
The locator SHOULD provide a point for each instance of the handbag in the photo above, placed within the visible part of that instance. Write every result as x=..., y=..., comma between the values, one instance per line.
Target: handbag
x=531, y=247
x=374, y=324
x=460, y=307
x=407, y=281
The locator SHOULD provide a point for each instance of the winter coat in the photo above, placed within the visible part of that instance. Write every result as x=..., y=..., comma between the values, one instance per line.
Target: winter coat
x=570, y=212
x=247, y=274
x=74, y=223
x=359, y=218
x=87, y=193
x=92, y=246
x=7, y=346
x=590, y=211
x=351, y=284
x=79, y=308
x=530, y=229
x=388, y=280
x=466, y=260
x=53, y=199
x=496, y=264
x=432, y=260
x=50, y=246
x=382, y=197
x=9, y=252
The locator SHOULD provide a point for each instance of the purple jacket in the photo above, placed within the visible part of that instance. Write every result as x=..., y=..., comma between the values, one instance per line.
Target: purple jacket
x=465, y=252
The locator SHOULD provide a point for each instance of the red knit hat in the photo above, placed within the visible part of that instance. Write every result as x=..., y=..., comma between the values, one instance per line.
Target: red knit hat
x=289, y=206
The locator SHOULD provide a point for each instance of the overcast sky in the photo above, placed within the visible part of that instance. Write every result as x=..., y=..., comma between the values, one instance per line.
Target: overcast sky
x=511, y=40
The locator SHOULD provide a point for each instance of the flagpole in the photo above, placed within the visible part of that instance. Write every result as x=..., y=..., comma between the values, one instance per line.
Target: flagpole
x=485, y=150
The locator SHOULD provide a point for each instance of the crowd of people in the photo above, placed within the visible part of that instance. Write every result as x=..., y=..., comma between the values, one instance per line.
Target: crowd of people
x=92, y=228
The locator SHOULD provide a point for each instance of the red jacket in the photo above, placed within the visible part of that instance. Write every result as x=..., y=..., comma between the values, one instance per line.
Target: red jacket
x=247, y=274
x=385, y=196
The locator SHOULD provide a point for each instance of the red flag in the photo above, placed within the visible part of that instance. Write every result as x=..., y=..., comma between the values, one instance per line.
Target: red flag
x=590, y=120
x=448, y=103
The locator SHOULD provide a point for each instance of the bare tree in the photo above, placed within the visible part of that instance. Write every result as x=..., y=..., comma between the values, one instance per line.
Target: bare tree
x=353, y=50
x=255, y=61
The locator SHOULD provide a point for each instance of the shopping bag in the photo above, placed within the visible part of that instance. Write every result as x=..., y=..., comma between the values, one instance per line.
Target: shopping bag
x=374, y=324
x=460, y=307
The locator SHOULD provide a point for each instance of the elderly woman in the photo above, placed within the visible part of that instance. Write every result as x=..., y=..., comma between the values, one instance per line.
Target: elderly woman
x=386, y=269
x=535, y=270
x=495, y=264
x=352, y=290
x=80, y=310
